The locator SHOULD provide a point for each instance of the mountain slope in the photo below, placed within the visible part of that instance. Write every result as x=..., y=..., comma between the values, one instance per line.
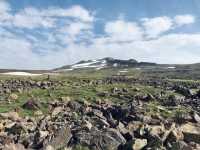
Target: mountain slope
x=107, y=62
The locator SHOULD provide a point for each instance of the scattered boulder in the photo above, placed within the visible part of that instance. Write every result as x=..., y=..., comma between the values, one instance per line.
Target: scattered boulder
x=10, y=115
x=191, y=132
x=109, y=139
x=12, y=146
x=102, y=125
x=32, y=104
x=61, y=138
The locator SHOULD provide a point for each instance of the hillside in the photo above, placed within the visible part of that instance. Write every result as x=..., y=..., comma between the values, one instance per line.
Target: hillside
x=107, y=62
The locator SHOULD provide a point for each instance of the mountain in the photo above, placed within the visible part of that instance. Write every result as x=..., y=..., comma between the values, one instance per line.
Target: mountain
x=107, y=62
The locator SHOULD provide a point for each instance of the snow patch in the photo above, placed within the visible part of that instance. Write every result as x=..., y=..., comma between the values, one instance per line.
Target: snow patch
x=84, y=65
x=21, y=74
x=115, y=65
x=138, y=68
x=68, y=69
x=123, y=71
x=93, y=64
x=172, y=67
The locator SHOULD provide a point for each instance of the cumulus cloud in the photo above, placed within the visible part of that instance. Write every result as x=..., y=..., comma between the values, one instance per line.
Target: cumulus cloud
x=22, y=20
x=156, y=26
x=184, y=19
x=59, y=36
x=71, y=32
x=74, y=11
x=121, y=30
x=31, y=17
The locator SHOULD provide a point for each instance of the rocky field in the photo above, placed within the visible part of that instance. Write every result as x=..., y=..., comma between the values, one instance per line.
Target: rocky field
x=100, y=111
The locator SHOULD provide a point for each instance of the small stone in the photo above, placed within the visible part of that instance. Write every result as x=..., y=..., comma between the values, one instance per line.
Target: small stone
x=139, y=144
x=97, y=113
x=13, y=97
x=1, y=127
x=43, y=134
x=74, y=105
x=38, y=113
x=122, y=128
x=86, y=103
x=156, y=130
x=7, y=90
x=56, y=111
x=134, y=126
x=65, y=99
x=87, y=125
x=19, y=90
x=196, y=117
x=49, y=147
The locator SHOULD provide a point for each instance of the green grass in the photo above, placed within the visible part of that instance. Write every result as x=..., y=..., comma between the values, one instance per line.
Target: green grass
x=154, y=108
x=76, y=89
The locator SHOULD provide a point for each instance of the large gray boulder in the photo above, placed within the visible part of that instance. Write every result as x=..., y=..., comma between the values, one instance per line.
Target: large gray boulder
x=110, y=139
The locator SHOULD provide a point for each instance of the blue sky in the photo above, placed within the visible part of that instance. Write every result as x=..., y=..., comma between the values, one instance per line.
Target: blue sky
x=43, y=34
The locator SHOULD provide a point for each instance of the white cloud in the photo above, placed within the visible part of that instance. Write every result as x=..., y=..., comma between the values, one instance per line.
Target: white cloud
x=31, y=17
x=23, y=20
x=4, y=7
x=156, y=26
x=121, y=30
x=4, y=12
x=71, y=31
x=184, y=19
x=74, y=11
x=16, y=53
x=76, y=27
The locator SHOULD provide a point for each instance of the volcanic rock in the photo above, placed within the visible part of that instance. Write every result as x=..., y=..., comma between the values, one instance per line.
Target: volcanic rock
x=32, y=104
x=191, y=132
x=139, y=144
x=61, y=139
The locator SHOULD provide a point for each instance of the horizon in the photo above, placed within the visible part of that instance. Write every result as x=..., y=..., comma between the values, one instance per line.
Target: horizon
x=20, y=69
x=38, y=35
